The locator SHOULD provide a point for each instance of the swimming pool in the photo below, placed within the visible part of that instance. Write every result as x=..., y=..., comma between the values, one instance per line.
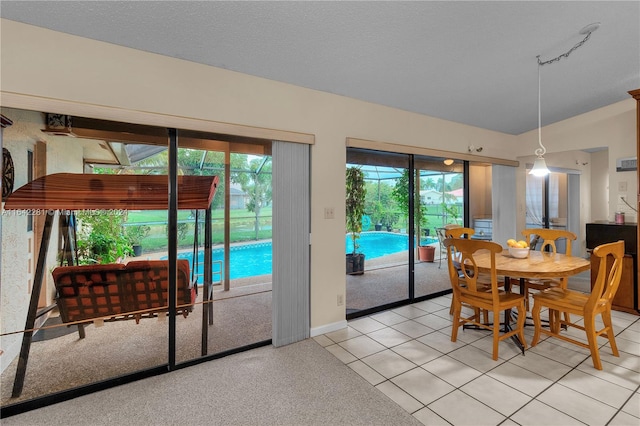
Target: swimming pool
x=250, y=260
x=378, y=244
x=245, y=260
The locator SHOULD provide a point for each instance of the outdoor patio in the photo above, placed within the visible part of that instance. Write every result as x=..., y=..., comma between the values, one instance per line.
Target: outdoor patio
x=59, y=360
x=385, y=280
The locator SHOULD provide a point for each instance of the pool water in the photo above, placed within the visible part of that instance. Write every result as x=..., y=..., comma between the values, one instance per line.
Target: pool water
x=250, y=260
x=246, y=260
x=378, y=244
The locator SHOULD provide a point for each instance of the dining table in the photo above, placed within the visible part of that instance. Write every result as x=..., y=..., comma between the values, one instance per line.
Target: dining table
x=537, y=264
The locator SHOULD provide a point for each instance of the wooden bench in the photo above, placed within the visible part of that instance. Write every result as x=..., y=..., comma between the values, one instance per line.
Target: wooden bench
x=120, y=291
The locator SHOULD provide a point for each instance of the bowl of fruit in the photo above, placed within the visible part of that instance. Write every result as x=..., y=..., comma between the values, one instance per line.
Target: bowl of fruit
x=518, y=249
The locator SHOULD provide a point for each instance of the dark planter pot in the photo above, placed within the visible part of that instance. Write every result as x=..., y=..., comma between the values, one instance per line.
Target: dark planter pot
x=378, y=226
x=427, y=232
x=389, y=228
x=426, y=253
x=355, y=264
x=137, y=250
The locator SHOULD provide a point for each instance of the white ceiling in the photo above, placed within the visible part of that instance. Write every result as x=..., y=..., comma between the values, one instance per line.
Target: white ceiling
x=469, y=62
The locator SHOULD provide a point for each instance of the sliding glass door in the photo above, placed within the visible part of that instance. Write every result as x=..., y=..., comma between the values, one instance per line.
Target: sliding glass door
x=384, y=240
x=89, y=253
x=407, y=199
x=548, y=206
x=441, y=197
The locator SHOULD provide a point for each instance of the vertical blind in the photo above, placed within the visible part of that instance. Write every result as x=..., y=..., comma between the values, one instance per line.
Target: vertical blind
x=503, y=190
x=291, y=254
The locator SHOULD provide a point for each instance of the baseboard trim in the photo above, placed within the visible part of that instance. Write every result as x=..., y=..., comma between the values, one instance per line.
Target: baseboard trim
x=328, y=328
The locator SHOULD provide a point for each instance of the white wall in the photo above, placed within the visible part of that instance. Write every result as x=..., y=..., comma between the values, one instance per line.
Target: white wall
x=15, y=261
x=108, y=81
x=600, y=185
x=613, y=127
x=124, y=80
x=17, y=251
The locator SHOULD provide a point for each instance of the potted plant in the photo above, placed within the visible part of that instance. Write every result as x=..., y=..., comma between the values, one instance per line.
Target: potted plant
x=376, y=215
x=426, y=226
x=354, y=206
x=401, y=195
x=426, y=253
x=135, y=234
x=389, y=217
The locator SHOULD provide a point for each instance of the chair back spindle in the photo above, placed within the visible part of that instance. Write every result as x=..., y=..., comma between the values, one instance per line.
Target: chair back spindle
x=480, y=294
x=606, y=285
x=549, y=238
x=587, y=306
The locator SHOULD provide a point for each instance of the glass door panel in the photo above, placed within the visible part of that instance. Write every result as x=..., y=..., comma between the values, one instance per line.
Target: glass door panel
x=440, y=195
x=236, y=312
x=384, y=240
x=547, y=203
x=480, y=199
x=109, y=318
x=79, y=305
x=535, y=196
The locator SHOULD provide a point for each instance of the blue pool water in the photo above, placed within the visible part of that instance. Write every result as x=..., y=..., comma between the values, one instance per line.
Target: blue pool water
x=244, y=261
x=255, y=259
x=378, y=244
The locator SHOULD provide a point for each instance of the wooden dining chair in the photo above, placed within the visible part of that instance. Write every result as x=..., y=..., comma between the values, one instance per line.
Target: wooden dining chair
x=461, y=232
x=457, y=232
x=557, y=299
x=549, y=239
x=469, y=292
x=441, y=233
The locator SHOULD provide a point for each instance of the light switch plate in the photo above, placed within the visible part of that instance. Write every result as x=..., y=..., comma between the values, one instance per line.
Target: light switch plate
x=329, y=213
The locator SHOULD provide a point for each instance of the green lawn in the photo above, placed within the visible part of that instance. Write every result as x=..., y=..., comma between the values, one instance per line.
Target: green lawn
x=242, y=227
x=155, y=216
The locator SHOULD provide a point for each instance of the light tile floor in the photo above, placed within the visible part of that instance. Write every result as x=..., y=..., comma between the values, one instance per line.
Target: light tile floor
x=408, y=355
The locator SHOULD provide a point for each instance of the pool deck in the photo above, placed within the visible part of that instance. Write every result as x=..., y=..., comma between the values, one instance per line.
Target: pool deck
x=385, y=279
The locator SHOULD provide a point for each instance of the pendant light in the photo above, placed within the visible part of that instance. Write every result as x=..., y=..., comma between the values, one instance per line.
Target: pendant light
x=539, y=165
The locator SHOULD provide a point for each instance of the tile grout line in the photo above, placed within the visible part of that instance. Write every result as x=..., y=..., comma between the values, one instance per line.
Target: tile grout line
x=407, y=319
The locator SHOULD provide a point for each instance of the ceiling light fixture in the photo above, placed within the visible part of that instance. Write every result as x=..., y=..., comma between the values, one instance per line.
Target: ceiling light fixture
x=448, y=161
x=539, y=165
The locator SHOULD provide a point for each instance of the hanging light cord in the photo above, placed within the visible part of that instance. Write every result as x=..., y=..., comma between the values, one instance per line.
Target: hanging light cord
x=542, y=150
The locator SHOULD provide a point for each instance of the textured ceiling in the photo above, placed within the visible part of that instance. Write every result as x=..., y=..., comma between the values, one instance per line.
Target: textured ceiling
x=469, y=62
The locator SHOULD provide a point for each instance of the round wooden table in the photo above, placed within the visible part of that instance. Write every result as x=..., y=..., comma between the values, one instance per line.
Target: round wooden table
x=537, y=265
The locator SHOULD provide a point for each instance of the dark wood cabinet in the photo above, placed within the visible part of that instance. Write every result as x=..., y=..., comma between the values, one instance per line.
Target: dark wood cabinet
x=627, y=298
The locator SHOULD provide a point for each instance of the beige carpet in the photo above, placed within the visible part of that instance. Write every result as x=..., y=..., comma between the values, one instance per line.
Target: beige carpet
x=300, y=384
x=242, y=316
x=123, y=347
